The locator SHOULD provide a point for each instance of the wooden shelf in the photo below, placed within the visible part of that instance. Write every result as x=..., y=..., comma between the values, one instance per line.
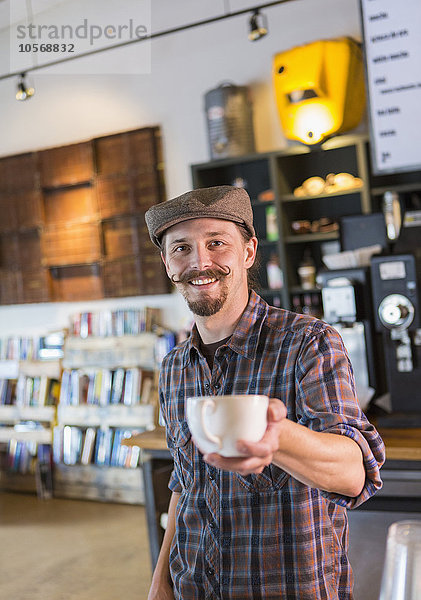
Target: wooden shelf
x=15, y=414
x=291, y=198
x=311, y=237
x=39, y=436
x=111, y=415
x=403, y=187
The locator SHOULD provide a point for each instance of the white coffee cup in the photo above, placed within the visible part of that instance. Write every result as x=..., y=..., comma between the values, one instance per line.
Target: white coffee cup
x=218, y=422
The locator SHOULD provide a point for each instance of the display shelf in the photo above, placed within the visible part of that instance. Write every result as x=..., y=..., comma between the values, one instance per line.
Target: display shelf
x=343, y=193
x=16, y=414
x=110, y=352
x=399, y=188
x=39, y=368
x=104, y=484
x=141, y=415
x=39, y=436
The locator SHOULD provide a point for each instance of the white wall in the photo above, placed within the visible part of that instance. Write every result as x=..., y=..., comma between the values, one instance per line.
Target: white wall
x=71, y=108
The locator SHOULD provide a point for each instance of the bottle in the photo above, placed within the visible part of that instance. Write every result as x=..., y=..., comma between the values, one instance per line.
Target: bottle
x=274, y=273
x=307, y=271
x=272, y=231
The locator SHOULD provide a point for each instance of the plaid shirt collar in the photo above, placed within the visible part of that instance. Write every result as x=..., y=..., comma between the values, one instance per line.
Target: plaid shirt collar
x=244, y=339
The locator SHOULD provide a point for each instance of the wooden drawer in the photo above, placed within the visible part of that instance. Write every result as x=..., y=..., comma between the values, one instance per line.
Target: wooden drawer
x=36, y=286
x=81, y=282
x=9, y=251
x=19, y=172
x=154, y=277
x=62, y=206
x=10, y=286
x=20, y=209
x=71, y=245
x=66, y=165
x=122, y=277
x=120, y=237
x=115, y=195
x=123, y=194
x=133, y=151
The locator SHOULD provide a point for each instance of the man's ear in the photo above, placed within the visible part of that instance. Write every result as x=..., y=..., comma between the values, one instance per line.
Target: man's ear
x=250, y=253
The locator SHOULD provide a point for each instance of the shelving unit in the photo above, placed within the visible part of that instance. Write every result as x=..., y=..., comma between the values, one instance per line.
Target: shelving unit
x=282, y=172
x=27, y=425
x=98, y=409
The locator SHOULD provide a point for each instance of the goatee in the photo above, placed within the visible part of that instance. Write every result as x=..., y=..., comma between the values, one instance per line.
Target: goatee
x=206, y=307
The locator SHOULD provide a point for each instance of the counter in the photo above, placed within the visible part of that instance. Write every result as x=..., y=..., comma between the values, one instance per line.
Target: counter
x=401, y=475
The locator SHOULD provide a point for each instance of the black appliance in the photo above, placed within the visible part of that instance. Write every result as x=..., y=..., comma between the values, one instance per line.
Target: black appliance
x=395, y=285
x=347, y=305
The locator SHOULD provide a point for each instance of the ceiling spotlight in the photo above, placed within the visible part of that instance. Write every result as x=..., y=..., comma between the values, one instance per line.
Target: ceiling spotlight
x=258, y=26
x=24, y=92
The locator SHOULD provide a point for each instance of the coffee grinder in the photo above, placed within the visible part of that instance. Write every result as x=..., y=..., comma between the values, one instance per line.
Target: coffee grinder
x=397, y=318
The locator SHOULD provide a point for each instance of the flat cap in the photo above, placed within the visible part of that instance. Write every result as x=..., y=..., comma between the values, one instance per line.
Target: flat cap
x=220, y=202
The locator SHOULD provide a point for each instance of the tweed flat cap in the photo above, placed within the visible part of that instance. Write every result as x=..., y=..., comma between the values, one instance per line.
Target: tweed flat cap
x=220, y=202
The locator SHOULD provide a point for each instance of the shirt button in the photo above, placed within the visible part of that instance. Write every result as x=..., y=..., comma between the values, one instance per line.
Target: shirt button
x=217, y=386
x=212, y=526
x=209, y=571
x=207, y=386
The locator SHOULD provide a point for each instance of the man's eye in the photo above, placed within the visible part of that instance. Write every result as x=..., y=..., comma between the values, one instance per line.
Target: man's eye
x=216, y=243
x=179, y=248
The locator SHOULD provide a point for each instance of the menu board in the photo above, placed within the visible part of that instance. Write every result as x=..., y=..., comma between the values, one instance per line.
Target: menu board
x=392, y=40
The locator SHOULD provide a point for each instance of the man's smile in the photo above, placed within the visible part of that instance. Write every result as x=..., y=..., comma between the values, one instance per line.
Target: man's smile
x=205, y=281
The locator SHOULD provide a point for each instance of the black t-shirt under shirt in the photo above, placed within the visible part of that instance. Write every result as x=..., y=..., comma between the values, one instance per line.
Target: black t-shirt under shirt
x=208, y=350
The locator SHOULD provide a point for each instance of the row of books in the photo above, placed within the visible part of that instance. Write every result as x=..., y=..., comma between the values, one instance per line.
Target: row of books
x=37, y=391
x=102, y=387
x=107, y=323
x=7, y=391
x=21, y=457
x=77, y=446
x=32, y=347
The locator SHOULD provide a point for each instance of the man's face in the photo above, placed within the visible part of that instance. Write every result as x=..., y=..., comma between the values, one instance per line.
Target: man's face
x=208, y=259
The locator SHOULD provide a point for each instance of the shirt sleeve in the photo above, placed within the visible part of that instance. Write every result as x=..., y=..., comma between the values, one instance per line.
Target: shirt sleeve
x=174, y=483
x=326, y=401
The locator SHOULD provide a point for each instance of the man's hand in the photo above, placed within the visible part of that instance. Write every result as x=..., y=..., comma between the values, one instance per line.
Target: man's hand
x=258, y=454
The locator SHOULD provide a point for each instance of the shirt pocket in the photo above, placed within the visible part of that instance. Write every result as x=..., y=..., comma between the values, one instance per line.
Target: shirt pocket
x=271, y=479
x=181, y=447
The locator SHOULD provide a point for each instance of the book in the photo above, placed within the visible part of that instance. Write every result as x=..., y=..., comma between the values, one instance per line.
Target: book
x=64, y=397
x=106, y=384
x=117, y=386
x=88, y=446
x=146, y=390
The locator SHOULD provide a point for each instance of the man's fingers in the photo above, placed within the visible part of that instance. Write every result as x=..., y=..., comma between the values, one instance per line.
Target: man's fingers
x=277, y=410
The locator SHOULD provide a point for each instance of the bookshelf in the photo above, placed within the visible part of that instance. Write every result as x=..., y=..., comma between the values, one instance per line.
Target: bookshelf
x=108, y=392
x=29, y=391
x=73, y=220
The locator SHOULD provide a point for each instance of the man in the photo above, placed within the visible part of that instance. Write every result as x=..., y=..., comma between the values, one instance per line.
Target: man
x=272, y=524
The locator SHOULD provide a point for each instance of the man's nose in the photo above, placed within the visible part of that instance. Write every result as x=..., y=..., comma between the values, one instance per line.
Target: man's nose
x=201, y=258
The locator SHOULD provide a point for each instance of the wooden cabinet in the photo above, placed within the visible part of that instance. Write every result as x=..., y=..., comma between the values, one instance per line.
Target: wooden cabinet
x=72, y=223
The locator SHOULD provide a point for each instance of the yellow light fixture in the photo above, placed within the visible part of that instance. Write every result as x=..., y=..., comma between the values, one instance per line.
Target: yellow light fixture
x=319, y=89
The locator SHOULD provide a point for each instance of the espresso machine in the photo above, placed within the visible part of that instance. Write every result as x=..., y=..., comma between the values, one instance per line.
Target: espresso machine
x=347, y=306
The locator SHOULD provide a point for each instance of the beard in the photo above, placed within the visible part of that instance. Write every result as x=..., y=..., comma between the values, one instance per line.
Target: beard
x=206, y=306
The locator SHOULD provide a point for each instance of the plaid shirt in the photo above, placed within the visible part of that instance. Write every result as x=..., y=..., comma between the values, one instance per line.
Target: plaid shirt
x=267, y=535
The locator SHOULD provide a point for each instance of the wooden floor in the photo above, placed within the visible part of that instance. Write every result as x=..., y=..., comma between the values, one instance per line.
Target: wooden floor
x=67, y=549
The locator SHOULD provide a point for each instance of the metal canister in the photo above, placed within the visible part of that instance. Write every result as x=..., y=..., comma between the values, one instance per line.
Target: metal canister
x=229, y=117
